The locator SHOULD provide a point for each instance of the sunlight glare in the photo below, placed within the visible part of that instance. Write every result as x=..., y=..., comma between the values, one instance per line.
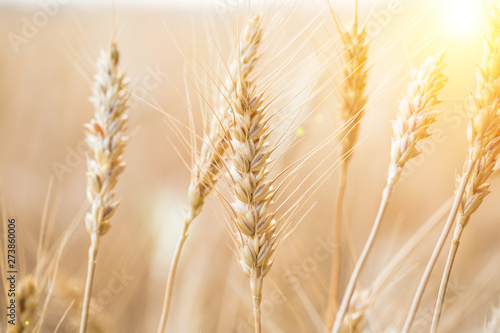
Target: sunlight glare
x=463, y=17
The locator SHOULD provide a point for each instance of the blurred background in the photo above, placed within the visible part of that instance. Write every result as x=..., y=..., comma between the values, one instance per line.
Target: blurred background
x=47, y=61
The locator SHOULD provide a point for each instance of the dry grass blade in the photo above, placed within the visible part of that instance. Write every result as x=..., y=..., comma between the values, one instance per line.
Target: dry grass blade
x=416, y=113
x=352, y=92
x=208, y=162
x=27, y=300
x=105, y=136
x=484, y=144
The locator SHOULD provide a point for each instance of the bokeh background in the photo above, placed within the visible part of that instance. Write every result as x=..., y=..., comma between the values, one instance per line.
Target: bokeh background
x=46, y=67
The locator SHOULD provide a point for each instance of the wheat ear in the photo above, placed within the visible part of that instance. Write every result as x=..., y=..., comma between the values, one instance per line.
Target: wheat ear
x=255, y=227
x=27, y=302
x=105, y=136
x=416, y=113
x=352, y=104
x=209, y=161
x=484, y=145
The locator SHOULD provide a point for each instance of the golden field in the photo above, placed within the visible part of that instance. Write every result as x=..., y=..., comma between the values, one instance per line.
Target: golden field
x=170, y=55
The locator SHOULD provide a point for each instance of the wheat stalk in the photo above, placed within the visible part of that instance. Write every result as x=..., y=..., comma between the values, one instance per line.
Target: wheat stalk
x=208, y=162
x=105, y=136
x=27, y=299
x=352, y=104
x=416, y=113
x=484, y=144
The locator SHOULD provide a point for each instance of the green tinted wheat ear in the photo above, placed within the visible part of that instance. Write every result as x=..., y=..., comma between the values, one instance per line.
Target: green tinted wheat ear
x=415, y=114
x=27, y=299
x=255, y=226
x=105, y=136
x=208, y=163
x=484, y=145
x=352, y=92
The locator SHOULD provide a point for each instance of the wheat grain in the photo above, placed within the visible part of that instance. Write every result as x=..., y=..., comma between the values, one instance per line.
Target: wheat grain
x=415, y=114
x=105, y=136
x=208, y=162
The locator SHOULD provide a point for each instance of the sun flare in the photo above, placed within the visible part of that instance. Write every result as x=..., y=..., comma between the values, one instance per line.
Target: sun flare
x=464, y=17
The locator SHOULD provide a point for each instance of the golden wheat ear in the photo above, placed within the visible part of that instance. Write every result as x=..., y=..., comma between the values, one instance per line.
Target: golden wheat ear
x=353, y=100
x=107, y=140
x=209, y=162
x=415, y=114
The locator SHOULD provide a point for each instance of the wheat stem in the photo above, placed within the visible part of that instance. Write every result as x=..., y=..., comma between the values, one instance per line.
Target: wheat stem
x=171, y=275
x=446, y=277
x=336, y=254
x=362, y=259
x=256, y=287
x=437, y=249
x=89, y=282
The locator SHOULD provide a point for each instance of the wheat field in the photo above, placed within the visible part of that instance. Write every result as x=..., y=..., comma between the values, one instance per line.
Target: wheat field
x=242, y=119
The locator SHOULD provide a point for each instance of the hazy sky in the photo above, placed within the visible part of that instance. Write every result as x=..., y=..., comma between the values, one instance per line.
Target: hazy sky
x=177, y=3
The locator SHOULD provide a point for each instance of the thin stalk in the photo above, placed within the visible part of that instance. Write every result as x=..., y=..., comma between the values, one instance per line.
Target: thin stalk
x=437, y=249
x=446, y=277
x=332, y=305
x=256, y=288
x=362, y=258
x=256, y=315
x=94, y=246
x=171, y=275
